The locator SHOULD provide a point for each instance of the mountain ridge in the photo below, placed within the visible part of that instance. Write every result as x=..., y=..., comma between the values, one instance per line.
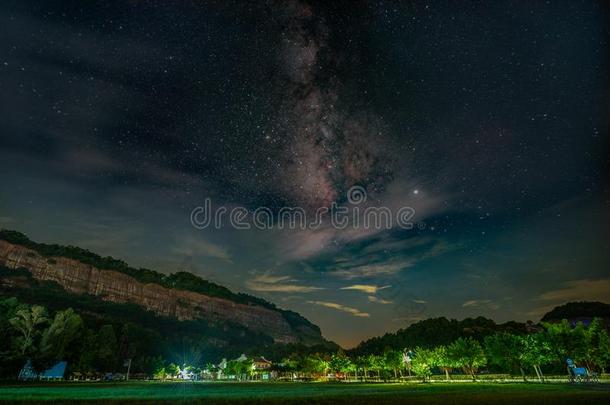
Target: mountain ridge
x=578, y=311
x=180, y=295
x=437, y=331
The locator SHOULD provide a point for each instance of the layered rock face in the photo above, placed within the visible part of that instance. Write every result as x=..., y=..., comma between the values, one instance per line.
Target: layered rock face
x=110, y=285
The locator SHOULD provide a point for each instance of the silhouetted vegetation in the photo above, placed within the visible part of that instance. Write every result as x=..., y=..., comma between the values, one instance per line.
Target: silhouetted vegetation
x=38, y=323
x=179, y=280
x=576, y=310
x=100, y=336
x=436, y=332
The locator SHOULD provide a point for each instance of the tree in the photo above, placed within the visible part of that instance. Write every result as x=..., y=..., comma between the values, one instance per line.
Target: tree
x=57, y=340
x=106, y=352
x=468, y=354
x=8, y=310
x=149, y=365
x=239, y=369
x=505, y=350
x=290, y=365
x=597, y=349
x=314, y=365
x=27, y=322
x=407, y=356
x=128, y=343
x=376, y=364
x=563, y=341
x=246, y=368
x=172, y=370
x=586, y=345
x=394, y=361
x=160, y=373
x=537, y=352
x=339, y=363
x=422, y=363
x=441, y=360
x=88, y=353
x=11, y=358
x=232, y=368
x=63, y=330
x=350, y=367
x=210, y=368
x=362, y=363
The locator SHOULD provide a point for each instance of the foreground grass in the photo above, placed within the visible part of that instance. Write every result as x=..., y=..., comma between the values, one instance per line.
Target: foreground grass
x=311, y=393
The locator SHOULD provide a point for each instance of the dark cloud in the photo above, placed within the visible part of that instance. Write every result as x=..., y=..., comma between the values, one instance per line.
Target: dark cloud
x=490, y=121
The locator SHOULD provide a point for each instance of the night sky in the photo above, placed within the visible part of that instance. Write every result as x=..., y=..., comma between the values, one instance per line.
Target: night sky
x=490, y=119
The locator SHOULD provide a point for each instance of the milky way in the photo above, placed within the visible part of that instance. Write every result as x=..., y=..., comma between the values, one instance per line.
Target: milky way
x=490, y=119
x=330, y=148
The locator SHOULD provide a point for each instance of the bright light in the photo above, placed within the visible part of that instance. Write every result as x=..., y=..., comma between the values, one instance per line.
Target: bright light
x=184, y=373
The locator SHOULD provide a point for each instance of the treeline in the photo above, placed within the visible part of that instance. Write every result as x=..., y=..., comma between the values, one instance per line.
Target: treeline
x=524, y=355
x=180, y=280
x=578, y=310
x=440, y=331
x=32, y=332
x=99, y=337
x=517, y=354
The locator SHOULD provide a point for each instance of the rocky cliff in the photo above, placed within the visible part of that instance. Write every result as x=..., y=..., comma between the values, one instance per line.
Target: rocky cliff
x=110, y=285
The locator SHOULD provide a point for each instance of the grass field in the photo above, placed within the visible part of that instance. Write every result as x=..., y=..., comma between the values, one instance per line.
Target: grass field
x=312, y=393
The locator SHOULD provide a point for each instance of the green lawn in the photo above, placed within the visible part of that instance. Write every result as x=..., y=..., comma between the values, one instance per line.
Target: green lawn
x=352, y=393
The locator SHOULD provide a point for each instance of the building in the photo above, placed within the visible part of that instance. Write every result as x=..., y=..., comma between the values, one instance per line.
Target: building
x=54, y=373
x=261, y=363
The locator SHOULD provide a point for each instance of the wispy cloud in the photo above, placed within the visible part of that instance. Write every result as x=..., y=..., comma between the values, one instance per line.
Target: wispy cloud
x=409, y=319
x=339, y=307
x=372, y=270
x=6, y=220
x=538, y=312
x=592, y=290
x=271, y=283
x=367, y=288
x=480, y=304
x=305, y=244
x=194, y=247
x=271, y=279
x=420, y=301
x=288, y=288
x=376, y=300
x=386, y=257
